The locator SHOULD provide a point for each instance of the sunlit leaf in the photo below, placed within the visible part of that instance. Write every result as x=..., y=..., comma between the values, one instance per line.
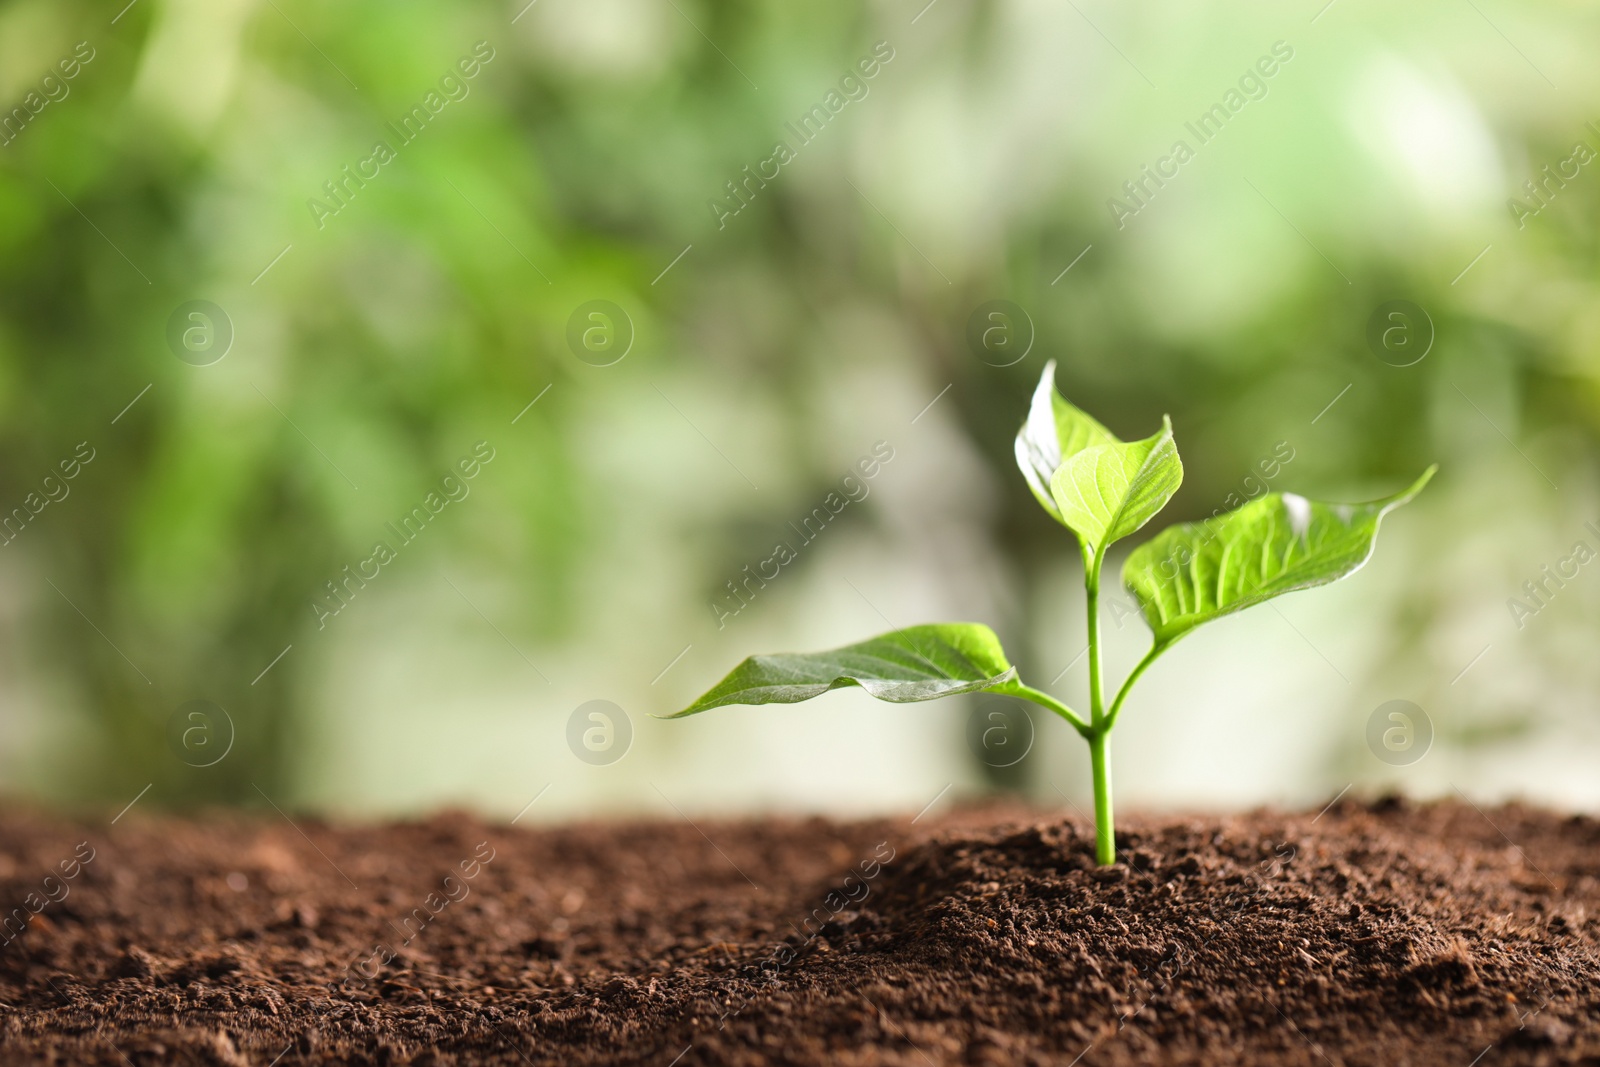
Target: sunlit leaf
x=1106, y=492
x=1053, y=432
x=1195, y=572
x=917, y=663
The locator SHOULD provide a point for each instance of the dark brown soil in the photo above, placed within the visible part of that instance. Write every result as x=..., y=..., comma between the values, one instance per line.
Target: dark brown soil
x=1384, y=935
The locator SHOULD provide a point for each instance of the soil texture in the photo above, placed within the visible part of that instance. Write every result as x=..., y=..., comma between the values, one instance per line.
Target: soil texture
x=1383, y=934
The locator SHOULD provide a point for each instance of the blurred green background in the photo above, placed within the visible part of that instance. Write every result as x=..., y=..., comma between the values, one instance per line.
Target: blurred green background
x=588, y=157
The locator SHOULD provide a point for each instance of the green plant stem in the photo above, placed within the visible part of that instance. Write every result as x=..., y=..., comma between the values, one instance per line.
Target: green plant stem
x=1122, y=694
x=1045, y=700
x=1105, y=834
x=1099, y=732
x=1091, y=585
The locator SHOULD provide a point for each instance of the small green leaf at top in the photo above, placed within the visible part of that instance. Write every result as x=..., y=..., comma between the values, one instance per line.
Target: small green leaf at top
x=1106, y=492
x=1195, y=572
x=1054, y=432
x=917, y=663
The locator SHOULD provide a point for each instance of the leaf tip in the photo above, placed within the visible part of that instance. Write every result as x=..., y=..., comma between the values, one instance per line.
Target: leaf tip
x=703, y=704
x=1405, y=496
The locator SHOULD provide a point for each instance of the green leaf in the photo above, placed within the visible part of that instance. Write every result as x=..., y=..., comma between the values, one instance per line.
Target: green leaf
x=1106, y=492
x=1054, y=432
x=1195, y=572
x=917, y=663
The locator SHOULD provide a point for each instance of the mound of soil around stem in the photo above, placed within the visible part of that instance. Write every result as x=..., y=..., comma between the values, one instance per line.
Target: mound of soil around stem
x=1385, y=935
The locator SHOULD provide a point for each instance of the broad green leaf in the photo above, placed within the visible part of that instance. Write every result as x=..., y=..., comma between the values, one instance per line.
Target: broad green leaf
x=1195, y=572
x=917, y=663
x=1054, y=431
x=1106, y=492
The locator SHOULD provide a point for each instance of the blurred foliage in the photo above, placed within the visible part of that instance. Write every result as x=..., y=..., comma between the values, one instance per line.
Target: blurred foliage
x=426, y=314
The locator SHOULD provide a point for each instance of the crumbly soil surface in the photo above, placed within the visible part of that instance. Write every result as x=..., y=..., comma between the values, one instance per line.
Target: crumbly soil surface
x=1385, y=934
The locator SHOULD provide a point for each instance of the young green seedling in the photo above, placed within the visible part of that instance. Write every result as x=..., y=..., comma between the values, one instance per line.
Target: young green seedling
x=1102, y=489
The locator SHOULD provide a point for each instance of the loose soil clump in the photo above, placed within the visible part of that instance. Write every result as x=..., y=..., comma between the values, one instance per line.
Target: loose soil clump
x=1386, y=934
